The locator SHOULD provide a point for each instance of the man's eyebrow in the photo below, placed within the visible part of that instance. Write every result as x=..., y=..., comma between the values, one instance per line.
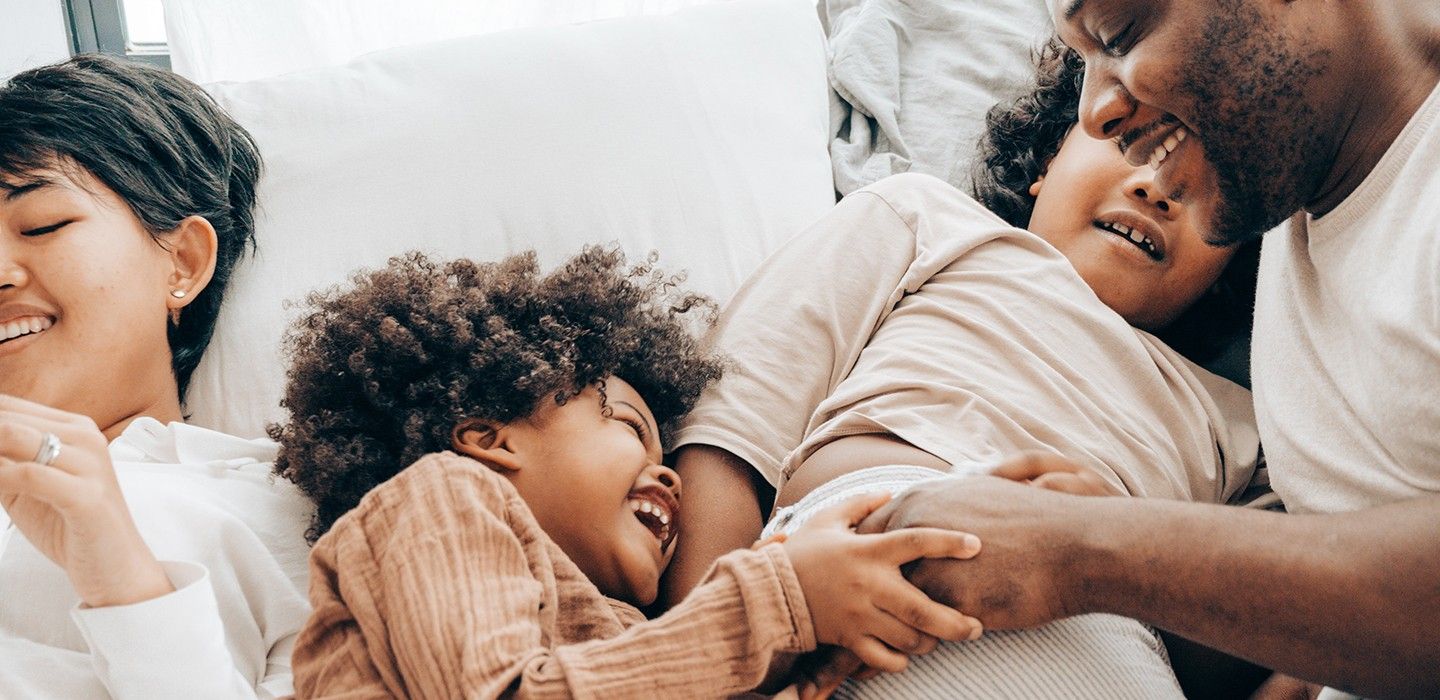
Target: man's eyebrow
x=1074, y=9
x=639, y=413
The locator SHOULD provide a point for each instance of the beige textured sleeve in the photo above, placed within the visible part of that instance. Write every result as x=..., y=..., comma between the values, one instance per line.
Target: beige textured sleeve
x=796, y=327
x=445, y=606
x=718, y=642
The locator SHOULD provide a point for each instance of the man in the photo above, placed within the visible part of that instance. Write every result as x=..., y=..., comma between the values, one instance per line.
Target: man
x=1324, y=112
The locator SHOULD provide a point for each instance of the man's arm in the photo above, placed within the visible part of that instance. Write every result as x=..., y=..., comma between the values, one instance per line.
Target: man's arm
x=726, y=502
x=1350, y=600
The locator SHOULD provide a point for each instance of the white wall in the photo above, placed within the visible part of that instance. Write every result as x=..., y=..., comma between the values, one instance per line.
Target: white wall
x=32, y=33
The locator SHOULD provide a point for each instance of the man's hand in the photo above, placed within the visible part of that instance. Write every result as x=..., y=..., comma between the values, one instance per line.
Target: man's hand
x=857, y=596
x=1027, y=568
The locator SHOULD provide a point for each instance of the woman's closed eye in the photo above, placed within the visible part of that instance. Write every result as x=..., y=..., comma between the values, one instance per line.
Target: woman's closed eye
x=30, y=233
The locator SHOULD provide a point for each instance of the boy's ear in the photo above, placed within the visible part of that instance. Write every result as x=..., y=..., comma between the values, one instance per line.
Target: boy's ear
x=192, y=246
x=1035, y=186
x=487, y=442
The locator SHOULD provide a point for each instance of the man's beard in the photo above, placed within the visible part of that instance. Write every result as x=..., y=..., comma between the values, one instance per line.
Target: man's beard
x=1261, y=135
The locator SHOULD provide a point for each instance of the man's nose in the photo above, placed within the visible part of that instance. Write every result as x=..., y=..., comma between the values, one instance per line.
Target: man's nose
x=1105, y=104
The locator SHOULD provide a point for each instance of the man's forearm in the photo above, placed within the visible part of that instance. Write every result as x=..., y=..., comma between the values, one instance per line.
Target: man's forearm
x=1351, y=600
x=721, y=512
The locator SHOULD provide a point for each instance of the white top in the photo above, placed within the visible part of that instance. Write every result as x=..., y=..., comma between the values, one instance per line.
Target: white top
x=230, y=536
x=1346, y=357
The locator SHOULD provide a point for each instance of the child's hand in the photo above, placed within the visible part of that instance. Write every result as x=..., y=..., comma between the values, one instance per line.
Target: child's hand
x=820, y=673
x=857, y=596
x=1056, y=473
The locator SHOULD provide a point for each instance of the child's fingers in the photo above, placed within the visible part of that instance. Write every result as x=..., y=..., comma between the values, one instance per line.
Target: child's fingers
x=908, y=544
x=898, y=635
x=875, y=654
x=1065, y=483
x=910, y=606
x=823, y=679
x=851, y=511
x=1086, y=483
x=1032, y=465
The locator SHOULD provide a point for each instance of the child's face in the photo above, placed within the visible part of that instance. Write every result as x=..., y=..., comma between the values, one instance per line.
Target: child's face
x=1090, y=196
x=596, y=485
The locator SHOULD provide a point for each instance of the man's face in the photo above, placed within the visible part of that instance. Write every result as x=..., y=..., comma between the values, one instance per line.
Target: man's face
x=1243, y=78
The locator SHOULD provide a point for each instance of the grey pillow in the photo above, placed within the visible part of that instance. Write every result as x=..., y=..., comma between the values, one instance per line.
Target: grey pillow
x=913, y=79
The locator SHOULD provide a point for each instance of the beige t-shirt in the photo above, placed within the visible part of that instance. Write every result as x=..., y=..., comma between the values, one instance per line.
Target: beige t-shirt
x=1346, y=356
x=911, y=309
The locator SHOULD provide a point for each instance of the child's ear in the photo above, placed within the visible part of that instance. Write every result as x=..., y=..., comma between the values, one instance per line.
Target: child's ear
x=1035, y=186
x=487, y=442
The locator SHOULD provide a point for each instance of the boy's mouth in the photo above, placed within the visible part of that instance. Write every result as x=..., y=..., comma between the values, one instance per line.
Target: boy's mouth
x=656, y=508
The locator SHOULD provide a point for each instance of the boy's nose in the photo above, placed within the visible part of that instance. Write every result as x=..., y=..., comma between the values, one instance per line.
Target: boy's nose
x=667, y=478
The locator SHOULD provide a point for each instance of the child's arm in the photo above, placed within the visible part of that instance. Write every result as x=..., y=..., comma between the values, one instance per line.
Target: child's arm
x=427, y=591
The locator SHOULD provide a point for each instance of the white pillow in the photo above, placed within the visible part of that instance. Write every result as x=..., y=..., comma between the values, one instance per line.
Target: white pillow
x=213, y=40
x=700, y=134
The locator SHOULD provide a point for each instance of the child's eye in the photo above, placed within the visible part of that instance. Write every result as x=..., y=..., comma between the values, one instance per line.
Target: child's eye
x=637, y=426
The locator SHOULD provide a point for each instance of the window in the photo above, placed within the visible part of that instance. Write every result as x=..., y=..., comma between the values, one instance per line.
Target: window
x=131, y=28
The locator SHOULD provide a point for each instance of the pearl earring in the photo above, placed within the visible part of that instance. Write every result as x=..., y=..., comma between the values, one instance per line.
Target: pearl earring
x=178, y=293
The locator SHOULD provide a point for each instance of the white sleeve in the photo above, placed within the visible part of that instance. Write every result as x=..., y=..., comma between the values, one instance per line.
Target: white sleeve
x=174, y=646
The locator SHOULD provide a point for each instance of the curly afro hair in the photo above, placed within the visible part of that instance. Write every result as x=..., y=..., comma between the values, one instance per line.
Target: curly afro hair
x=384, y=369
x=1022, y=137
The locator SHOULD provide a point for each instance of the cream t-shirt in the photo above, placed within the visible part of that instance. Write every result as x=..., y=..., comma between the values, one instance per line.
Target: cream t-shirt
x=912, y=310
x=1346, y=354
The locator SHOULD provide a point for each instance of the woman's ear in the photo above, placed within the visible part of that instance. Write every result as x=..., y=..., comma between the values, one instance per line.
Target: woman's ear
x=192, y=246
x=487, y=442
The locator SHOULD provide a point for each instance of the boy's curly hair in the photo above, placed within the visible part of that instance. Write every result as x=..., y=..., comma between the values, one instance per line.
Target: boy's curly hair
x=1022, y=137
x=384, y=369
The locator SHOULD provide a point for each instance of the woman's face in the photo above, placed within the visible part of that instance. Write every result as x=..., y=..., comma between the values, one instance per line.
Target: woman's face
x=84, y=301
x=592, y=476
x=1141, y=250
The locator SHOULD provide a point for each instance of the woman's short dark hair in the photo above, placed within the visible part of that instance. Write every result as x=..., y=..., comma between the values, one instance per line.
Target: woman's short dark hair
x=384, y=369
x=159, y=142
x=1021, y=138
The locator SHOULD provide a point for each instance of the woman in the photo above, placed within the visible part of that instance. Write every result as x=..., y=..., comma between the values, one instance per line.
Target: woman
x=912, y=327
x=139, y=557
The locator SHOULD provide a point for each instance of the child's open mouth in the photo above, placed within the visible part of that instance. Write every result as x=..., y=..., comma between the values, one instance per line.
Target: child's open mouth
x=655, y=507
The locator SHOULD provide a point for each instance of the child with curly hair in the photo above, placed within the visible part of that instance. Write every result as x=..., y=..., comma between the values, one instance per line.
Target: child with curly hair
x=484, y=445
x=916, y=337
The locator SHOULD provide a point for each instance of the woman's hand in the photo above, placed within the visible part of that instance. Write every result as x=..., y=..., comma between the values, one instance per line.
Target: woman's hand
x=1056, y=473
x=72, y=509
x=857, y=596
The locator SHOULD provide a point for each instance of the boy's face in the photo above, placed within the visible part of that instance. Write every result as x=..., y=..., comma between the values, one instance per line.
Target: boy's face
x=593, y=478
x=1142, y=250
